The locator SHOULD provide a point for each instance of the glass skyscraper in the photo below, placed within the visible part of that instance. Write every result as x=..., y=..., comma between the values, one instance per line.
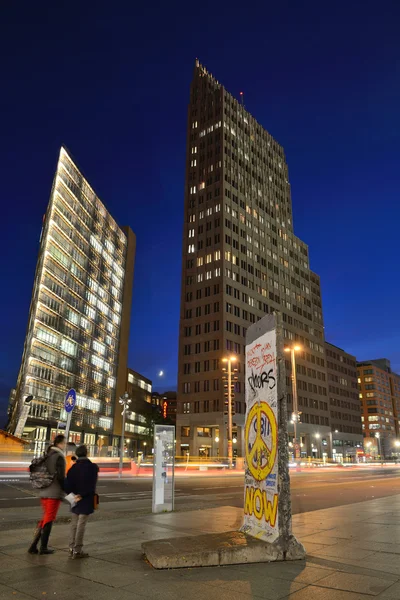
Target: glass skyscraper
x=79, y=318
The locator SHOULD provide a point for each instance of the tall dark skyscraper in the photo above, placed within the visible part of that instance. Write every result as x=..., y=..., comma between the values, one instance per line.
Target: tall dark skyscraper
x=241, y=260
x=78, y=327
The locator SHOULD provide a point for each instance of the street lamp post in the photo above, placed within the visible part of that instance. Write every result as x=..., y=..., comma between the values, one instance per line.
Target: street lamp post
x=295, y=415
x=378, y=437
x=125, y=402
x=229, y=361
x=317, y=437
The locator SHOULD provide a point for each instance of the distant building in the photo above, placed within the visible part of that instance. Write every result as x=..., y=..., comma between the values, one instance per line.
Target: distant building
x=379, y=392
x=344, y=404
x=169, y=400
x=138, y=418
x=79, y=318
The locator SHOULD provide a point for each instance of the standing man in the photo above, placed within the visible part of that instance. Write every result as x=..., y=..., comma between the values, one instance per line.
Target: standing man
x=51, y=496
x=81, y=481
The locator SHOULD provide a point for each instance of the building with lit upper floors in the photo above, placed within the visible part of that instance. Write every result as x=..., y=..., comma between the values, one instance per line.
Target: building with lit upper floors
x=379, y=393
x=344, y=404
x=137, y=432
x=240, y=261
x=79, y=318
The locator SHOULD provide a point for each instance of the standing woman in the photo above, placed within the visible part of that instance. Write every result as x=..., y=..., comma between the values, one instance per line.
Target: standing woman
x=50, y=497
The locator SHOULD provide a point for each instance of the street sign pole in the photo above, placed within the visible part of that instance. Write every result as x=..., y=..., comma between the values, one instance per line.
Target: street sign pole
x=69, y=405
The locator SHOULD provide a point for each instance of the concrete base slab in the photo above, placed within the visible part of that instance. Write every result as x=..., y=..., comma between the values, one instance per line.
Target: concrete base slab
x=216, y=549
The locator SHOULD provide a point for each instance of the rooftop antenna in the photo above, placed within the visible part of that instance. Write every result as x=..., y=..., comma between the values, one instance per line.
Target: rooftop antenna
x=241, y=94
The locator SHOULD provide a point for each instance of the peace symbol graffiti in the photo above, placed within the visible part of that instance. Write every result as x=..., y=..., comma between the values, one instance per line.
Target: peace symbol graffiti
x=261, y=440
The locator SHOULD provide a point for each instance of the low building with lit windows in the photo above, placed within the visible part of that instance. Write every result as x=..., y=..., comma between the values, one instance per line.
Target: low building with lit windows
x=138, y=417
x=344, y=405
x=79, y=318
x=379, y=392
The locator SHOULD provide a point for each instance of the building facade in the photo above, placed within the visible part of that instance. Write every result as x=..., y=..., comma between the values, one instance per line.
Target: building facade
x=167, y=403
x=379, y=392
x=78, y=327
x=344, y=404
x=241, y=260
x=137, y=420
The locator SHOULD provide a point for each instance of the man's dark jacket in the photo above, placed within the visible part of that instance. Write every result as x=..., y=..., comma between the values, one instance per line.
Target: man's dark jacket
x=81, y=480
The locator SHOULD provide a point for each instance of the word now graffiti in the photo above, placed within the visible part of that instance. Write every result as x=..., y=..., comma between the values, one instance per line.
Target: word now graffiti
x=257, y=503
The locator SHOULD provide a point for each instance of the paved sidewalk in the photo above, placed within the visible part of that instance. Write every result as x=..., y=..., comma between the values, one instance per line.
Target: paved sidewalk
x=353, y=554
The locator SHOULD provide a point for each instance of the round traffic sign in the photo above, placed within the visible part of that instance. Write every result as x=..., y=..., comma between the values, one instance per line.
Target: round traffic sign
x=70, y=400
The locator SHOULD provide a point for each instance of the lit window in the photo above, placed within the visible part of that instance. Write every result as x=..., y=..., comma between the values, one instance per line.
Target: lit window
x=98, y=347
x=68, y=347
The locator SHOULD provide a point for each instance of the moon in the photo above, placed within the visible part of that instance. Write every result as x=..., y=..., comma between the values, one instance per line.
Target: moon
x=161, y=373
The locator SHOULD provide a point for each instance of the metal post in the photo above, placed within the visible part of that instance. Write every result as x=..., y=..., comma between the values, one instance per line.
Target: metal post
x=68, y=426
x=124, y=401
x=294, y=389
x=121, y=450
x=230, y=453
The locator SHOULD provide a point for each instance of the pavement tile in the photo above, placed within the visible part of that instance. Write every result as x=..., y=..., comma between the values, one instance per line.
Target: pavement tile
x=298, y=572
x=318, y=593
x=49, y=586
x=311, y=546
x=7, y=593
x=377, y=546
x=321, y=539
x=189, y=589
x=90, y=590
x=351, y=582
x=387, y=563
x=346, y=566
x=132, y=557
x=262, y=585
x=391, y=593
x=347, y=551
x=11, y=563
x=26, y=573
x=100, y=571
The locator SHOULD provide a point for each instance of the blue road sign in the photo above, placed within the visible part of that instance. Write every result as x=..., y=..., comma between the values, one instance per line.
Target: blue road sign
x=70, y=400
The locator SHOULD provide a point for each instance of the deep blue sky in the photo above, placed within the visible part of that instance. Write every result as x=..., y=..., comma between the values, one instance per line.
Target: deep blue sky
x=111, y=82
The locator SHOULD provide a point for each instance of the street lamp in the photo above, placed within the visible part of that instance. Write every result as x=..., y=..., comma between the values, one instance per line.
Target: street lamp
x=125, y=402
x=295, y=414
x=229, y=361
x=378, y=437
x=216, y=439
x=317, y=437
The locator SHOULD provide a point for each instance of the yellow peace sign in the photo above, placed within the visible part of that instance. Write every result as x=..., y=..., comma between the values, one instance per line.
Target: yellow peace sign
x=265, y=457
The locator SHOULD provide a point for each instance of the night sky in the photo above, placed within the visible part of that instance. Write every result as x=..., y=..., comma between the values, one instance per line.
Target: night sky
x=111, y=82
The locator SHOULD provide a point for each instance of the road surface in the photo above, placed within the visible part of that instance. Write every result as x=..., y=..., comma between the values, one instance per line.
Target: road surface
x=311, y=490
